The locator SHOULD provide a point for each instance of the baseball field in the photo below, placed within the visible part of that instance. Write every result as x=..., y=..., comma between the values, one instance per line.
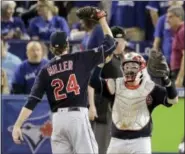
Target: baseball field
x=168, y=128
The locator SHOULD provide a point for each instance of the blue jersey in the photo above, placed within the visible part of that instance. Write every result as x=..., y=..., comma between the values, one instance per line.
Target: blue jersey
x=65, y=79
x=9, y=63
x=163, y=32
x=128, y=14
x=24, y=76
x=158, y=6
x=43, y=29
x=15, y=23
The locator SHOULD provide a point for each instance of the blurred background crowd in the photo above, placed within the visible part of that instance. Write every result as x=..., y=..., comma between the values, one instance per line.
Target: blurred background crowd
x=34, y=21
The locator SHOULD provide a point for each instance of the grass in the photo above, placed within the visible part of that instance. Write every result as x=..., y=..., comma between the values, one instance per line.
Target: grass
x=168, y=127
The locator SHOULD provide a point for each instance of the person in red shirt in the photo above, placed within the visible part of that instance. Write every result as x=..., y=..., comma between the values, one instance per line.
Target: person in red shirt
x=175, y=18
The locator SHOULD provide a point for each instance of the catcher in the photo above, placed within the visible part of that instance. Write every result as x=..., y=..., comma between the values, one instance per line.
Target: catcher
x=135, y=97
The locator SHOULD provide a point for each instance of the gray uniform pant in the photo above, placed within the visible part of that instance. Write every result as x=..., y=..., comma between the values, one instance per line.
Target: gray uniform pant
x=72, y=133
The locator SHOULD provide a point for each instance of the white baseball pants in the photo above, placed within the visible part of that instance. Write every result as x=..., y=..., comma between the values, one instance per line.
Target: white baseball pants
x=132, y=146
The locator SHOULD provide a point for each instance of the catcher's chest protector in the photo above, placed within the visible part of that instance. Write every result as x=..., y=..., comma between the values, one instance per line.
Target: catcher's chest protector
x=130, y=111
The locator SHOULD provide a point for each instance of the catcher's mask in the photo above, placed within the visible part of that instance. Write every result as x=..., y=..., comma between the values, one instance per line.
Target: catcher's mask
x=132, y=66
x=58, y=42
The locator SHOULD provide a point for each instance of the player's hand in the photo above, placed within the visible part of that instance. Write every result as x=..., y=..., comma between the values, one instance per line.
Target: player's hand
x=92, y=113
x=17, y=135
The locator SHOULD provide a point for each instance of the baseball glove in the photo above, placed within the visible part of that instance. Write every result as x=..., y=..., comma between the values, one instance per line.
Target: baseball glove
x=89, y=12
x=157, y=65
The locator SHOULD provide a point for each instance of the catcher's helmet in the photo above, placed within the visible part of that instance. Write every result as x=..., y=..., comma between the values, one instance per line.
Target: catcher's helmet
x=132, y=66
x=58, y=42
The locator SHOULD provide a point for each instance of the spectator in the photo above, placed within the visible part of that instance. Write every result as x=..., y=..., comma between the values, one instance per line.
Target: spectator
x=31, y=12
x=26, y=72
x=12, y=27
x=4, y=83
x=175, y=18
x=163, y=35
x=131, y=16
x=156, y=9
x=48, y=21
x=9, y=61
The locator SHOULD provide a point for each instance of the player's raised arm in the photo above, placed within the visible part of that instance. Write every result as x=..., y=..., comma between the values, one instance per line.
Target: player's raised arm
x=98, y=55
x=34, y=98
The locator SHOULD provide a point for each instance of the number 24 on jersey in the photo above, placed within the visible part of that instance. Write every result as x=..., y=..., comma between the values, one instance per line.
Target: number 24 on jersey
x=72, y=86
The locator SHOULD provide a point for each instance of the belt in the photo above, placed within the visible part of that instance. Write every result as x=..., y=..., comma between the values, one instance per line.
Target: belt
x=73, y=109
x=69, y=109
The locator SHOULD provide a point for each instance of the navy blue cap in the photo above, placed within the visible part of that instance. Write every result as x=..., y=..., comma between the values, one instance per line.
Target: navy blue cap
x=58, y=39
x=118, y=32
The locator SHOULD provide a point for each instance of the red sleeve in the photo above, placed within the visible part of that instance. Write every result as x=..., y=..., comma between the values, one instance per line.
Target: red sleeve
x=181, y=39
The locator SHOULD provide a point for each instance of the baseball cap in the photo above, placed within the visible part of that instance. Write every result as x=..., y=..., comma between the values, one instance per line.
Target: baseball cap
x=118, y=32
x=58, y=39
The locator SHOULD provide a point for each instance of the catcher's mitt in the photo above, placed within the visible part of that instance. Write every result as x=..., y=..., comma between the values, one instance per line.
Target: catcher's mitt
x=91, y=13
x=157, y=65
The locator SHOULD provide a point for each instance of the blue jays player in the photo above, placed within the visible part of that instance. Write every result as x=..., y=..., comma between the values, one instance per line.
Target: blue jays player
x=65, y=80
x=135, y=97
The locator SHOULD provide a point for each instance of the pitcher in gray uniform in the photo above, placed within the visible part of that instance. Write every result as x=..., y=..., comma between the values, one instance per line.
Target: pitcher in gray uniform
x=135, y=96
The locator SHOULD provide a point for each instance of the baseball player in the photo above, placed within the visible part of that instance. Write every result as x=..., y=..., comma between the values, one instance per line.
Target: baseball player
x=64, y=80
x=135, y=97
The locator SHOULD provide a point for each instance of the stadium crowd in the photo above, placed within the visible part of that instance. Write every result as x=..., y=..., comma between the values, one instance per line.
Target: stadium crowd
x=137, y=21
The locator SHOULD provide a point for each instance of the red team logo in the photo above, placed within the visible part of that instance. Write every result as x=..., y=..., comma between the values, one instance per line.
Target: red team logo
x=46, y=129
